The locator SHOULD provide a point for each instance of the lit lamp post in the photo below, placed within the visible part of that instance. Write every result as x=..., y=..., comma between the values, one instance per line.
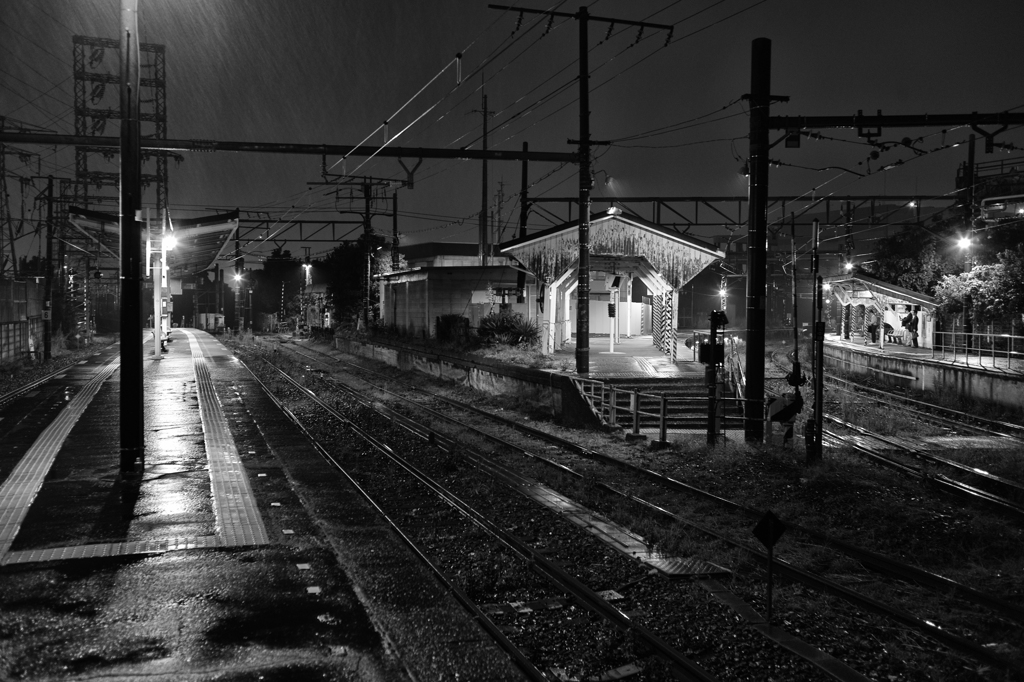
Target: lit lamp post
x=167, y=243
x=307, y=279
x=239, y=302
x=965, y=246
x=370, y=253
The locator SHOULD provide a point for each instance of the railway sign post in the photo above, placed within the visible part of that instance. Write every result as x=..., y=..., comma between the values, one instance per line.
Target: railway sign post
x=768, y=530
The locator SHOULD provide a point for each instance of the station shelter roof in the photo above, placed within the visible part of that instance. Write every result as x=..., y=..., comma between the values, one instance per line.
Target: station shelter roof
x=619, y=243
x=201, y=242
x=857, y=288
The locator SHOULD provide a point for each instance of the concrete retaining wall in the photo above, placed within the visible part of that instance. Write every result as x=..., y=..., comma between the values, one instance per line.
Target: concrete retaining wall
x=548, y=392
x=923, y=374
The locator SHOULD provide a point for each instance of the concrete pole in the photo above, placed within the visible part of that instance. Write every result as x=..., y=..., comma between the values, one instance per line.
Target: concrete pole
x=757, y=227
x=583, y=290
x=157, y=291
x=394, y=232
x=48, y=279
x=483, y=247
x=524, y=212
x=132, y=427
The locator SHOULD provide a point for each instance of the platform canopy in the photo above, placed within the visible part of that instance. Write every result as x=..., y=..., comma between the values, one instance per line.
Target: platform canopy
x=201, y=242
x=619, y=243
x=857, y=288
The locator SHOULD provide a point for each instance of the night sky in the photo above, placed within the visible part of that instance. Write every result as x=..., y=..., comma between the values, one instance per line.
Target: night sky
x=332, y=71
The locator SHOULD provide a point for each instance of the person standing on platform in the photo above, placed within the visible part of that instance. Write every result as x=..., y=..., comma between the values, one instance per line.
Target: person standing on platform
x=905, y=323
x=912, y=327
x=873, y=326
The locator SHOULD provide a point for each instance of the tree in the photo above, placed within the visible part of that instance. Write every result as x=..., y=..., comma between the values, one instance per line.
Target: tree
x=347, y=270
x=915, y=258
x=281, y=276
x=996, y=290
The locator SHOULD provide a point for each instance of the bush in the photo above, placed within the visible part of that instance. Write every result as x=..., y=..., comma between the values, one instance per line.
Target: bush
x=509, y=328
x=452, y=329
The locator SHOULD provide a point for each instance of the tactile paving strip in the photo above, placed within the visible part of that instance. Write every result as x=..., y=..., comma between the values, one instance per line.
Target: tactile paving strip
x=238, y=520
x=22, y=485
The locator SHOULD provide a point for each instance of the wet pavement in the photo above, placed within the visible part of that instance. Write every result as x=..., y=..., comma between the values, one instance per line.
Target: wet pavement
x=239, y=556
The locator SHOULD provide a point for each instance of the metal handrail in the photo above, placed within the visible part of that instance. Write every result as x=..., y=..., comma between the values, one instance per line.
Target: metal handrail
x=959, y=345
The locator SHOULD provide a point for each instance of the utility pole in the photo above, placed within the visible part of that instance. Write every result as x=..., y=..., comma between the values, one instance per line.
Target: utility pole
x=483, y=245
x=524, y=212
x=760, y=125
x=368, y=234
x=394, y=231
x=583, y=288
x=48, y=279
x=757, y=228
x=131, y=413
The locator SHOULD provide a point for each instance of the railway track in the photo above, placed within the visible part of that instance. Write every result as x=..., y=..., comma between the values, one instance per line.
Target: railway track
x=440, y=522
x=933, y=463
x=876, y=562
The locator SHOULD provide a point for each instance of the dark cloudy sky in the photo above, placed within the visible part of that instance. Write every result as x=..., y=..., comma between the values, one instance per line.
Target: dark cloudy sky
x=331, y=71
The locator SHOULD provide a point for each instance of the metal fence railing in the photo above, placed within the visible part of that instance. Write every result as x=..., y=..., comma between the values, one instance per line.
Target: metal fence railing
x=985, y=349
x=636, y=411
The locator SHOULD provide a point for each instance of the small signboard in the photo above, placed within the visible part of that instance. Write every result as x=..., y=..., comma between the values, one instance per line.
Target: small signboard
x=769, y=529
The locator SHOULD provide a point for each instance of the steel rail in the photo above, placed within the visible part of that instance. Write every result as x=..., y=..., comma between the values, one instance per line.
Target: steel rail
x=479, y=616
x=877, y=562
x=36, y=383
x=938, y=408
x=927, y=628
x=929, y=456
x=944, y=482
x=542, y=565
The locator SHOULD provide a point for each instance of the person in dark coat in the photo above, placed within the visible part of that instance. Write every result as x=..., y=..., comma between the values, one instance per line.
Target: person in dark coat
x=912, y=328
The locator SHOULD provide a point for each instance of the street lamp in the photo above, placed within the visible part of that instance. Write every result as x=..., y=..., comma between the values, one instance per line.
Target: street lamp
x=369, y=283
x=167, y=243
x=965, y=244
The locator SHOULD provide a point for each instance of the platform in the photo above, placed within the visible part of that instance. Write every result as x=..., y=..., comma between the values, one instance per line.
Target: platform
x=211, y=565
x=633, y=357
x=984, y=360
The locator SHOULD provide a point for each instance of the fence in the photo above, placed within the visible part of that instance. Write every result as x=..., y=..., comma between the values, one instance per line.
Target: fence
x=988, y=349
x=637, y=411
x=21, y=320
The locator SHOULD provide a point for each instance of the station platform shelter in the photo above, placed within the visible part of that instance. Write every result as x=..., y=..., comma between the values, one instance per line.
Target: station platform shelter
x=871, y=303
x=627, y=252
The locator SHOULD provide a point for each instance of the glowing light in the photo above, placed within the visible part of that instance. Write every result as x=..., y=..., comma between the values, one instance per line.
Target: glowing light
x=964, y=243
x=722, y=292
x=849, y=267
x=238, y=277
x=169, y=242
x=912, y=204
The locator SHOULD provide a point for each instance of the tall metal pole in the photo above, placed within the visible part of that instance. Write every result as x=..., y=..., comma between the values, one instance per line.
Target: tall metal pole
x=524, y=212
x=483, y=247
x=583, y=290
x=817, y=352
x=132, y=427
x=394, y=230
x=757, y=227
x=367, y=234
x=157, y=293
x=48, y=279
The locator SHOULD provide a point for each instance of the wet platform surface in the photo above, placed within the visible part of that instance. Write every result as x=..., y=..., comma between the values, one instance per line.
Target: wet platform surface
x=210, y=566
x=634, y=357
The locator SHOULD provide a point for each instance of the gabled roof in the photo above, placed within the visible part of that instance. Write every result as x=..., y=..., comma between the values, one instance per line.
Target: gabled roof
x=857, y=285
x=617, y=235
